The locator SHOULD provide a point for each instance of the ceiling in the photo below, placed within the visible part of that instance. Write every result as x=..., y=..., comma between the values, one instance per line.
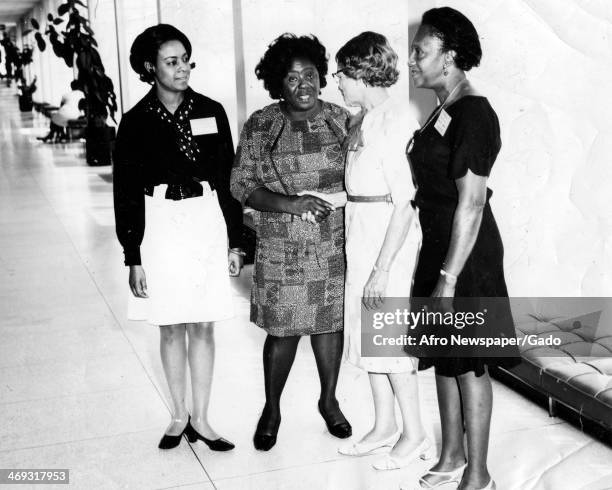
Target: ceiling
x=12, y=10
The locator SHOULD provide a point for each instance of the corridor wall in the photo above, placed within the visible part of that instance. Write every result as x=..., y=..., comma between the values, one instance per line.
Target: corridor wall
x=102, y=19
x=210, y=29
x=333, y=21
x=545, y=70
x=53, y=75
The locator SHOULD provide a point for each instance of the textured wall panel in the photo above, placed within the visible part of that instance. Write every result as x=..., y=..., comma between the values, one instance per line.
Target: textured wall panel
x=546, y=70
x=209, y=27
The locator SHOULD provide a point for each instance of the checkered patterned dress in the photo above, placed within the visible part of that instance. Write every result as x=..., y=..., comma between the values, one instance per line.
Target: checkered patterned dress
x=298, y=283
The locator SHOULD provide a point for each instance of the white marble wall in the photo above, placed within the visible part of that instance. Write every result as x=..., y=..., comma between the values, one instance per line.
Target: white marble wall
x=54, y=76
x=210, y=29
x=102, y=21
x=333, y=21
x=546, y=70
x=134, y=17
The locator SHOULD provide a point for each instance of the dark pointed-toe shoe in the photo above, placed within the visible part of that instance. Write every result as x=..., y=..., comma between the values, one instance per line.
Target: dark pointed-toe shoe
x=265, y=439
x=170, y=442
x=215, y=445
x=337, y=426
x=264, y=442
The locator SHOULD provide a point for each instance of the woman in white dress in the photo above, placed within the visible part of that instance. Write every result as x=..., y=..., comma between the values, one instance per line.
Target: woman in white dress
x=68, y=110
x=172, y=164
x=382, y=239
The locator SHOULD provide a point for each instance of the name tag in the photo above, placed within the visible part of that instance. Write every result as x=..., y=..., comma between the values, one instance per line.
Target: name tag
x=204, y=125
x=442, y=123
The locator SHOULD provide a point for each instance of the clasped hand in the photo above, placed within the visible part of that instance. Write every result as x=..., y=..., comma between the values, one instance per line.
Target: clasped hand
x=313, y=206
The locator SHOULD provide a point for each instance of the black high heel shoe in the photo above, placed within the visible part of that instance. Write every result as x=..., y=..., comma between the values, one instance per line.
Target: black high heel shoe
x=215, y=445
x=170, y=442
x=45, y=138
x=341, y=430
x=262, y=441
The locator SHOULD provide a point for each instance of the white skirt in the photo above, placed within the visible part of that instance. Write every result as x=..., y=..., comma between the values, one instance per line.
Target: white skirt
x=184, y=257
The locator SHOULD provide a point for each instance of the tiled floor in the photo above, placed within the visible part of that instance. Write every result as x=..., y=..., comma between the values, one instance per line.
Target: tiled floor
x=82, y=388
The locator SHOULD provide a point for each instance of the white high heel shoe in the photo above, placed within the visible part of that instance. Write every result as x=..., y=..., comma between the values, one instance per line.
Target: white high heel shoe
x=490, y=486
x=363, y=448
x=453, y=476
x=425, y=450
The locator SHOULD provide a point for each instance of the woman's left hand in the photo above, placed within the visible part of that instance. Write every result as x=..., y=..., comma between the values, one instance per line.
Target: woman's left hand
x=375, y=288
x=443, y=296
x=236, y=262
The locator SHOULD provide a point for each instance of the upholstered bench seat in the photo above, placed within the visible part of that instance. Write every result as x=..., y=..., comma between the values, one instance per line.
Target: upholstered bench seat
x=578, y=371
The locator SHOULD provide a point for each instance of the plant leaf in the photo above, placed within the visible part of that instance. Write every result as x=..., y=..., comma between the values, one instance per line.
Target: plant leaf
x=50, y=17
x=58, y=21
x=68, y=57
x=40, y=42
x=35, y=24
x=63, y=8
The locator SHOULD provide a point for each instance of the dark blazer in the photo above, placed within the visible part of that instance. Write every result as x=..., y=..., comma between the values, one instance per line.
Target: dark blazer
x=146, y=153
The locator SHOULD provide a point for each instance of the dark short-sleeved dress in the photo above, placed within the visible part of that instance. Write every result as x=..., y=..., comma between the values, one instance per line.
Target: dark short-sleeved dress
x=471, y=141
x=298, y=278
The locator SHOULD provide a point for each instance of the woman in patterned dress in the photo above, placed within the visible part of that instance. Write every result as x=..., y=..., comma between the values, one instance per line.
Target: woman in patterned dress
x=286, y=148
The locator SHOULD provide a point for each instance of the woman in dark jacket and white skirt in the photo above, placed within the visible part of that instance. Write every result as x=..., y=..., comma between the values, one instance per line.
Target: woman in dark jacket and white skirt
x=172, y=164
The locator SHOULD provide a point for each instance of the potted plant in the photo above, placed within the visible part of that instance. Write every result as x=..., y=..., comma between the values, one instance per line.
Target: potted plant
x=77, y=46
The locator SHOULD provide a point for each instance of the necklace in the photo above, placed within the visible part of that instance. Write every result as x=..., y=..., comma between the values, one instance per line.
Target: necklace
x=436, y=112
x=444, y=104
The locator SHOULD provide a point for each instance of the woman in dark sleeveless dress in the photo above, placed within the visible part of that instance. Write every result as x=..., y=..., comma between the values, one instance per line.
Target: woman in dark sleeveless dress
x=462, y=252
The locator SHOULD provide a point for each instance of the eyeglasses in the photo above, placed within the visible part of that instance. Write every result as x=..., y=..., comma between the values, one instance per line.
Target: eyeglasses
x=337, y=74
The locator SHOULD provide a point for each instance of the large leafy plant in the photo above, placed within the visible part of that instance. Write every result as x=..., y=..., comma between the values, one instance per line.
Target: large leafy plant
x=72, y=39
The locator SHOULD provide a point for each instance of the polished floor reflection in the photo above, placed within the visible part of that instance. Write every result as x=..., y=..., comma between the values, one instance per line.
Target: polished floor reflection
x=82, y=388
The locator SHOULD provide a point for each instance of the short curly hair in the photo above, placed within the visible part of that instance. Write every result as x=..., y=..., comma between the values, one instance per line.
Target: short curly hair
x=146, y=46
x=457, y=33
x=276, y=61
x=370, y=58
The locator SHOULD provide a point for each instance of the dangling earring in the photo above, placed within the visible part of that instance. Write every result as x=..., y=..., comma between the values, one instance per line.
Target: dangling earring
x=445, y=70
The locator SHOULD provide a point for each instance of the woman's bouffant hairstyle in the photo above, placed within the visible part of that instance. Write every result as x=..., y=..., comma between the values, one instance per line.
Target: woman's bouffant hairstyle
x=147, y=44
x=457, y=33
x=369, y=57
x=277, y=59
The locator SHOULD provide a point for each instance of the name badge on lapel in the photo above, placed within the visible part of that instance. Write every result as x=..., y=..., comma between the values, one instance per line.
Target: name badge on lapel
x=442, y=123
x=203, y=125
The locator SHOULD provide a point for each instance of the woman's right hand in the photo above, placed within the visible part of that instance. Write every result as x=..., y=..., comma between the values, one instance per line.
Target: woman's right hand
x=318, y=207
x=138, y=281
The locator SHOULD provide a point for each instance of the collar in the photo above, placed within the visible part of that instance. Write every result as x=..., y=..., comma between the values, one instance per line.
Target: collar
x=334, y=116
x=152, y=102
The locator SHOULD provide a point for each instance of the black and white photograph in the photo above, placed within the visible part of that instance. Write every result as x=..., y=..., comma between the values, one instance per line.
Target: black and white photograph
x=306, y=244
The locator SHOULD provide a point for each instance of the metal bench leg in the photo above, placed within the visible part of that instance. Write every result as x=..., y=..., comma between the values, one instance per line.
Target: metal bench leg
x=552, y=407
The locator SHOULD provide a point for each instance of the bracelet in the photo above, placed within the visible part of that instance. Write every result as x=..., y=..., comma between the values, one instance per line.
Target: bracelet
x=376, y=268
x=452, y=278
x=238, y=251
